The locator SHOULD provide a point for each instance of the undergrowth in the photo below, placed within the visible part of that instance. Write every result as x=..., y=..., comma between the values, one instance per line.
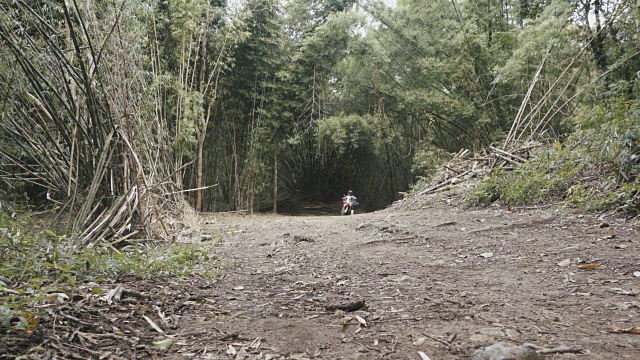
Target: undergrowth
x=37, y=265
x=596, y=168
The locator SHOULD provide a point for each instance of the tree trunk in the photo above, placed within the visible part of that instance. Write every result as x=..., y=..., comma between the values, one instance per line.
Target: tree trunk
x=275, y=177
x=597, y=43
x=203, y=133
x=199, y=170
x=236, y=176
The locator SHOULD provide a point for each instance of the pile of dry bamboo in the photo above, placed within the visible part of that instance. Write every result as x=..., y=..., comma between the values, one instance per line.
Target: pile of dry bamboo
x=465, y=165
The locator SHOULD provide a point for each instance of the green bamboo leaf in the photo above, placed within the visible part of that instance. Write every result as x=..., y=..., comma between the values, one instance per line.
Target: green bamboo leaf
x=163, y=344
x=97, y=290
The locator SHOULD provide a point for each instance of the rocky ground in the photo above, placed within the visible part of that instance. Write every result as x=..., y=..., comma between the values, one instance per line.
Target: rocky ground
x=420, y=277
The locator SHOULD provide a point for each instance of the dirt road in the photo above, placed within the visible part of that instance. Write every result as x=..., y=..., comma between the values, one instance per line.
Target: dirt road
x=433, y=279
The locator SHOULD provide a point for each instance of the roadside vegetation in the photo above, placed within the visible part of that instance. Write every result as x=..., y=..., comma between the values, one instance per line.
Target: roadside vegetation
x=44, y=275
x=596, y=168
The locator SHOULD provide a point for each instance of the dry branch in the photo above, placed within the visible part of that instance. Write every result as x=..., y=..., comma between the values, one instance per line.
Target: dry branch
x=477, y=163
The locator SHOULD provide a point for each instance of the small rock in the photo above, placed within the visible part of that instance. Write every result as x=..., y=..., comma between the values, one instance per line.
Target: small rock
x=420, y=341
x=564, y=263
x=363, y=226
x=403, y=278
x=500, y=351
x=487, y=255
x=302, y=238
x=206, y=237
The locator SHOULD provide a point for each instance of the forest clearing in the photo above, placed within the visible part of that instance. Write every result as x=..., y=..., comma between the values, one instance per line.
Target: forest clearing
x=171, y=173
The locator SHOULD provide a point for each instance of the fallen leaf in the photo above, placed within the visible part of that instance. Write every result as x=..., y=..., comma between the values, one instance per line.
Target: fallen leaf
x=256, y=343
x=238, y=288
x=631, y=330
x=361, y=320
x=163, y=344
x=231, y=351
x=423, y=356
x=153, y=325
x=565, y=262
x=242, y=353
x=345, y=320
x=588, y=266
x=97, y=290
x=30, y=322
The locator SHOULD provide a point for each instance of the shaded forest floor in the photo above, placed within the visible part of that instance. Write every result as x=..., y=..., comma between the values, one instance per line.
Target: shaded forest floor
x=434, y=279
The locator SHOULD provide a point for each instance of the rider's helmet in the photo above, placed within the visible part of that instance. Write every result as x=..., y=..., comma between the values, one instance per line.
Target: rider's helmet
x=350, y=192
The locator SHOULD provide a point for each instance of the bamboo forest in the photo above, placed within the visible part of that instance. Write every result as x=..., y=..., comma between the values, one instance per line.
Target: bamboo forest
x=138, y=138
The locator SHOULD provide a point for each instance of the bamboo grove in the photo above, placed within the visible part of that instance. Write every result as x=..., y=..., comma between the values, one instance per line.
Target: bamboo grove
x=116, y=112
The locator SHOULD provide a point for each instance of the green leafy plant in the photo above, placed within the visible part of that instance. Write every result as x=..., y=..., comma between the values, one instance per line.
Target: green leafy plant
x=595, y=169
x=39, y=266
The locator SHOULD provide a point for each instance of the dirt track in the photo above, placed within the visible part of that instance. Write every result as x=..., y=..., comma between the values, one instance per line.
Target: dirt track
x=434, y=279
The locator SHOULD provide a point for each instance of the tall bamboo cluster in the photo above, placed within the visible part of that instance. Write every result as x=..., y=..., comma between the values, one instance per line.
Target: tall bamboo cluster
x=74, y=107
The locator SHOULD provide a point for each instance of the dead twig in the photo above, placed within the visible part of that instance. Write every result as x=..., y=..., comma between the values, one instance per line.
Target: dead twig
x=444, y=342
x=562, y=349
x=447, y=223
x=387, y=240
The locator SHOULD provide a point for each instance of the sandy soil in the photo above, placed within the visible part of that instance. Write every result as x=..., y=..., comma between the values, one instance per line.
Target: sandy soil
x=434, y=278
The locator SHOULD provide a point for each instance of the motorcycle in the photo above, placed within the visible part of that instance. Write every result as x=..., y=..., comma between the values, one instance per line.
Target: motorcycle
x=349, y=204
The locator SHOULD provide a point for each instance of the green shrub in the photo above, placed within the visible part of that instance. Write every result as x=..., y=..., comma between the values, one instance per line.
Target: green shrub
x=595, y=169
x=426, y=160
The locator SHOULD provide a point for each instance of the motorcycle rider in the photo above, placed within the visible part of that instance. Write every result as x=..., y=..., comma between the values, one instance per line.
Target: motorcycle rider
x=354, y=200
